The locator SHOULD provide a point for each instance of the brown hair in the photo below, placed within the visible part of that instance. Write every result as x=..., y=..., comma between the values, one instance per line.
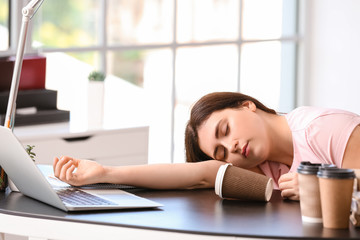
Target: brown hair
x=202, y=110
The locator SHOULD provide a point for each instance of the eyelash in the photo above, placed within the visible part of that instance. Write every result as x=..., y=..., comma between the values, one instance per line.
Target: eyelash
x=226, y=130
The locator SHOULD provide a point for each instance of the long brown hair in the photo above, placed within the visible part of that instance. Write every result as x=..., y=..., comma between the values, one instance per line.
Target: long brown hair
x=202, y=110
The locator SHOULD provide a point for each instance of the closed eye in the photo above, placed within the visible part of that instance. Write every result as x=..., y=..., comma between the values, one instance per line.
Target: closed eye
x=224, y=129
x=225, y=154
x=220, y=153
x=227, y=129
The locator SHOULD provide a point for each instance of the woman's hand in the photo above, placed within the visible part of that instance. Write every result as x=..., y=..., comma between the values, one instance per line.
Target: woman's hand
x=78, y=172
x=289, y=186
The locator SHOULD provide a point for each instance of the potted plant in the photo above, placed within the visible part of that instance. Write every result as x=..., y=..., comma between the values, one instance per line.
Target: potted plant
x=95, y=106
x=29, y=149
x=97, y=76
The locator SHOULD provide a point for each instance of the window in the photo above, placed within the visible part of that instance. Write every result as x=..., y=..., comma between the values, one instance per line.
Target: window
x=4, y=25
x=163, y=55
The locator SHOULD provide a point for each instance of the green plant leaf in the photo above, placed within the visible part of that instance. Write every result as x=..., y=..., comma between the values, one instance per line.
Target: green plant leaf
x=97, y=76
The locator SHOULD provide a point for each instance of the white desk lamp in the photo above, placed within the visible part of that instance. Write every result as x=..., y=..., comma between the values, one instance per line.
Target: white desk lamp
x=28, y=12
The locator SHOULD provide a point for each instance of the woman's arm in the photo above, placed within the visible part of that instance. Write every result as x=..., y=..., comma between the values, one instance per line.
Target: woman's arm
x=351, y=157
x=157, y=176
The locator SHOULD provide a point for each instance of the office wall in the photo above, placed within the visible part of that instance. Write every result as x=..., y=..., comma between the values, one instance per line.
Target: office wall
x=330, y=75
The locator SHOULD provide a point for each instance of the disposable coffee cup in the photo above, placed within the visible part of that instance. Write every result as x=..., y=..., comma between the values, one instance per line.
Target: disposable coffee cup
x=336, y=188
x=238, y=183
x=310, y=203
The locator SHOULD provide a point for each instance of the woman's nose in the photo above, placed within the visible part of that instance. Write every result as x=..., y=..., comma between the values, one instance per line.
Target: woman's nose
x=232, y=145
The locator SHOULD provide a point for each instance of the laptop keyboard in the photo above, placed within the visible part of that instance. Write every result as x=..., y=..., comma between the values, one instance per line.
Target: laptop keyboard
x=77, y=197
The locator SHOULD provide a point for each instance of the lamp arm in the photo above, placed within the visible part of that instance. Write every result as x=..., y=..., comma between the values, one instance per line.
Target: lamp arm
x=28, y=12
x=31, y=8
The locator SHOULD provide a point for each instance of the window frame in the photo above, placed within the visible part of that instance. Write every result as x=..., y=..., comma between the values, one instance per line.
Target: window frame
x=104, y=47
x=9, y=50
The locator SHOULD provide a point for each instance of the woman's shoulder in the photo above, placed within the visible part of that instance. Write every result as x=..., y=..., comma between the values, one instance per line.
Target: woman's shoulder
x=301, y=117
x=320, y=134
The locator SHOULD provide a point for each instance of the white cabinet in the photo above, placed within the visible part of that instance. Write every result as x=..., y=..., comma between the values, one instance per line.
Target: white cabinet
x=126, y=146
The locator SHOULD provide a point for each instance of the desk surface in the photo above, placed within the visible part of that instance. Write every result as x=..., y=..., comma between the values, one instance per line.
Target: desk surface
x=191, y=211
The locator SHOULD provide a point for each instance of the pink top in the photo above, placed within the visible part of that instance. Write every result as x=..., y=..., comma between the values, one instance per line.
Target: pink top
x=319, y=135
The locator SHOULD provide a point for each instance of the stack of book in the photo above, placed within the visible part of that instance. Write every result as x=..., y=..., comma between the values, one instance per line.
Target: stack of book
x=34, y=104
x=34, y=107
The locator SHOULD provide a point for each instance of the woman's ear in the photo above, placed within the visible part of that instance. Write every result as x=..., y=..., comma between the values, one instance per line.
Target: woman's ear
x=250, y=105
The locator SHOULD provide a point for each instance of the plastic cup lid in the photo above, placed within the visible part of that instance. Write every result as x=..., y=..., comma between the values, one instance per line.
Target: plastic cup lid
x=340, y=173
x=309, y=168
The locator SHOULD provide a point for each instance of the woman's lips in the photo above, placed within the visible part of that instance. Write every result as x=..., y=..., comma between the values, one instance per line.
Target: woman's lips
x=245, y=150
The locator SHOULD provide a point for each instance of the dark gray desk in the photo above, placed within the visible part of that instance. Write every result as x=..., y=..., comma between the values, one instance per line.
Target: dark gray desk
x=186, y=213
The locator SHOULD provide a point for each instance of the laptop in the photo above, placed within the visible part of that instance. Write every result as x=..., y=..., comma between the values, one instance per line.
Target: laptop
x=30, y=181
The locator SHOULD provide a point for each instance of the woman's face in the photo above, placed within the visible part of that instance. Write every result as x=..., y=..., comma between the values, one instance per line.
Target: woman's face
x=237, y=136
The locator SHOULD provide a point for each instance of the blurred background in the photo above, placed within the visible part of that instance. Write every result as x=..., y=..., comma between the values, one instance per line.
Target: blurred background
x=160, y=56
